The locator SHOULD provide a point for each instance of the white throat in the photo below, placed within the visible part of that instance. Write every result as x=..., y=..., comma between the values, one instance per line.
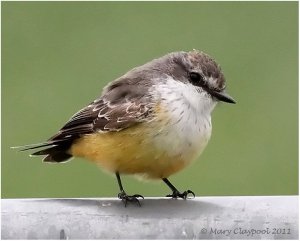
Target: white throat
x=194, y=100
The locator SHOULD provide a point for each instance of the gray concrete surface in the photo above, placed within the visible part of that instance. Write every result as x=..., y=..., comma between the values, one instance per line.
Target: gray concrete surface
x=254, y=217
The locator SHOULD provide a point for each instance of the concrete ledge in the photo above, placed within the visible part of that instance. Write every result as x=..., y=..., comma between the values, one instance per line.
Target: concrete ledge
x=253, y=217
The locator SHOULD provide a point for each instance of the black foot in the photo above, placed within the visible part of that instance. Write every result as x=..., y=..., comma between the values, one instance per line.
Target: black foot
x=184, y=195
x=126, y=198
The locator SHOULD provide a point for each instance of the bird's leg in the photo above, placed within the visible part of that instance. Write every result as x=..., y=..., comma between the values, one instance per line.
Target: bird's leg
x=176, y=193
x=124, y=197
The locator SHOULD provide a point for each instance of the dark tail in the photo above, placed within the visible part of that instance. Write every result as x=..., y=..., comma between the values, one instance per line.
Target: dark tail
x=56, y=151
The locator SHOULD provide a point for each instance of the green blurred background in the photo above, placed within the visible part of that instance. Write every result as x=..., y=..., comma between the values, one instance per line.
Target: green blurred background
x=57, y=56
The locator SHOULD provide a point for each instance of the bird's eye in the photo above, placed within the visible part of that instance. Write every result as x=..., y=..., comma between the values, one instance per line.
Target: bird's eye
x=197, y=79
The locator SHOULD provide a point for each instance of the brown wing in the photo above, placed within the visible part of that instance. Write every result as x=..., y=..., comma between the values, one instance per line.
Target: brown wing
x=120, y=107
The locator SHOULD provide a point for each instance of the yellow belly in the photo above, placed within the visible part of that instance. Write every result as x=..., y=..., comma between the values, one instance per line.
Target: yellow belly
x=129, y=151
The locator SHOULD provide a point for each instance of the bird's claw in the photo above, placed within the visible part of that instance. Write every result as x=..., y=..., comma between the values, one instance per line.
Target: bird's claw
x=127, y=198
x=184, y=195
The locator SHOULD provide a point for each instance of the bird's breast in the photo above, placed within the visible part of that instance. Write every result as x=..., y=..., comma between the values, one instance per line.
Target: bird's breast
x=180, y=131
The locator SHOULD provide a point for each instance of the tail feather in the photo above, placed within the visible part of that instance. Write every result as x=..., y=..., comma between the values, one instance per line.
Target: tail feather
x=33, y=146
x=46, y=151
x=57, y=150
x=57, y=157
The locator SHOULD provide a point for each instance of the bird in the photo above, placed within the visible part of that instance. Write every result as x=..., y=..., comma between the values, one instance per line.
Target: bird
x=152, y=122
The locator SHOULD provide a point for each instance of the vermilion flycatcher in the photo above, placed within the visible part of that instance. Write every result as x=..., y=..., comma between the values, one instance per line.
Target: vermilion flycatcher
x=153, y=121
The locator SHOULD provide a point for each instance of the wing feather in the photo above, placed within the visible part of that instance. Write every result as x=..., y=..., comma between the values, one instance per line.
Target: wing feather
x=120, y=107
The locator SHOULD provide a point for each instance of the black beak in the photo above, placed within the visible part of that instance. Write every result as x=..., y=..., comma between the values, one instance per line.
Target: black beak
x=222, y=96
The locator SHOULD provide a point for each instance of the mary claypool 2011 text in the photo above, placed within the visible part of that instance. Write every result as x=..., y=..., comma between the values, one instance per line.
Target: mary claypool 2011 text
x=247, y=232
